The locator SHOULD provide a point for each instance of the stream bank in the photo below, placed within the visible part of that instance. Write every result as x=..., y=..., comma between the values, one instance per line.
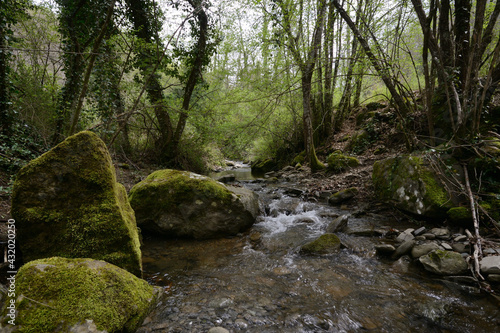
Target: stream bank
x=259, y=282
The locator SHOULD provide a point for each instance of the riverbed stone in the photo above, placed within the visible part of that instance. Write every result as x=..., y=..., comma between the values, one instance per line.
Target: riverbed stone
x=409, y=183
x=443, y=262
x=385, y=249
x=67, y=203
x=423, y=249
x=441, y=233
x=338, y=225
x=404, y=248
x=218, y=330
x=184, y=204
x=490, y=265
x=79, y=295
x=324, y=244
x=405, y=235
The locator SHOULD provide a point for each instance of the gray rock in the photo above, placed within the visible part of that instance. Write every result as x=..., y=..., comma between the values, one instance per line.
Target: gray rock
x=460, y=238
x=461, y=247
x=429, y=236
x=218, y=330
x=490, y=265
x=423, y=249
x=405, y=236
x=494, y=278
x=443, y=262
x=338, y=225
x=404, y=248
x=385, y=249
x=441, y=233
x=419, y=231
x=446, y=246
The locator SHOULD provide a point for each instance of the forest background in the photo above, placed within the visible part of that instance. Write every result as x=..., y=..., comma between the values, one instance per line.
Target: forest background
x=189, y=83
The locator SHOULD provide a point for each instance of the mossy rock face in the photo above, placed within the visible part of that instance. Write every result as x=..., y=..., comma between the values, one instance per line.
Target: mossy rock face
x=184, y=204
x=359, y=141
x=69, y=295
x=460, y=216
x=412, y=186
x=67, y=203
x=338, y=162
x=263, y=166
x=299, y=159
x=324, y=244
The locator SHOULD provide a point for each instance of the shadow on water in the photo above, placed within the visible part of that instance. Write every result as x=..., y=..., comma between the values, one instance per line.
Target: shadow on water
x=258, y=282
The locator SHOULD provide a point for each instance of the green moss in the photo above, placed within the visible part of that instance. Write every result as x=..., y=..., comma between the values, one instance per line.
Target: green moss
x=57, y=293
x=414, y=187
x=299, y=159
x=316, y=164
x=174, y=187
x=67, y=203
x=460, y=215
x=264, y=166
x=325, y=244
x=338, y=162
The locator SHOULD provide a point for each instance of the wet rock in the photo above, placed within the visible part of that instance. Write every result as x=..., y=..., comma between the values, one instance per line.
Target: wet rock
x=227, y=178
x=67, y=203
x=402, y=264
x=71, y=295
x=342, y=196
x=405, y=235
x=490, y=265
x=293, y=192
x=423, y=249
x=443, y=262
x=404, y=248
x=385, y=249
x=429, y=236
x=338, y=225
x=325, y=244
x=184, y=204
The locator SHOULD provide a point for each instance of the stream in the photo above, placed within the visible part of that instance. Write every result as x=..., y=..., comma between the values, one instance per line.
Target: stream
x=258, y=282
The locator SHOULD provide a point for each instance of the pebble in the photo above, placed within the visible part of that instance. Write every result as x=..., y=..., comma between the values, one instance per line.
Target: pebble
x=419, y=231
x=218, y=330
x=385, y=249
x=429, y=236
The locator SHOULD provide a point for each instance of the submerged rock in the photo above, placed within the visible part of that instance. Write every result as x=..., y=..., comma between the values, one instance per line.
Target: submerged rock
x=184, y=204
x=325, y=244
x=411, y=185
x=443, y=262
x=79, y=295
x=338, y=225
x=67, y=203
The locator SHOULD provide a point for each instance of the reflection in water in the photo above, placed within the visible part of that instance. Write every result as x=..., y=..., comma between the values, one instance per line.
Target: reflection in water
x=258, y=282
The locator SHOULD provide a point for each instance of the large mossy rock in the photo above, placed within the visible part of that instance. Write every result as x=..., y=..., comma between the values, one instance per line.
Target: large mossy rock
x=67, y=203
x=338, y=162
x=409, y=183
x=78, y=295
x=263, y=166
x=443, y=262
x=184, y=204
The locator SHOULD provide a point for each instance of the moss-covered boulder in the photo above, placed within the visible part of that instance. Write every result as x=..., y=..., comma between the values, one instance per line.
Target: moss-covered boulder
x=338, y=162
x=74, y=295
x=184, y=204
x=324, y=244
x=443, y=262
x=409, y=183
x=67, y=203
x=263, y=166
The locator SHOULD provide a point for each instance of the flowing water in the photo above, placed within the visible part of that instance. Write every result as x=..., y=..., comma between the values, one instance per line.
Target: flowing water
x=258, y=282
